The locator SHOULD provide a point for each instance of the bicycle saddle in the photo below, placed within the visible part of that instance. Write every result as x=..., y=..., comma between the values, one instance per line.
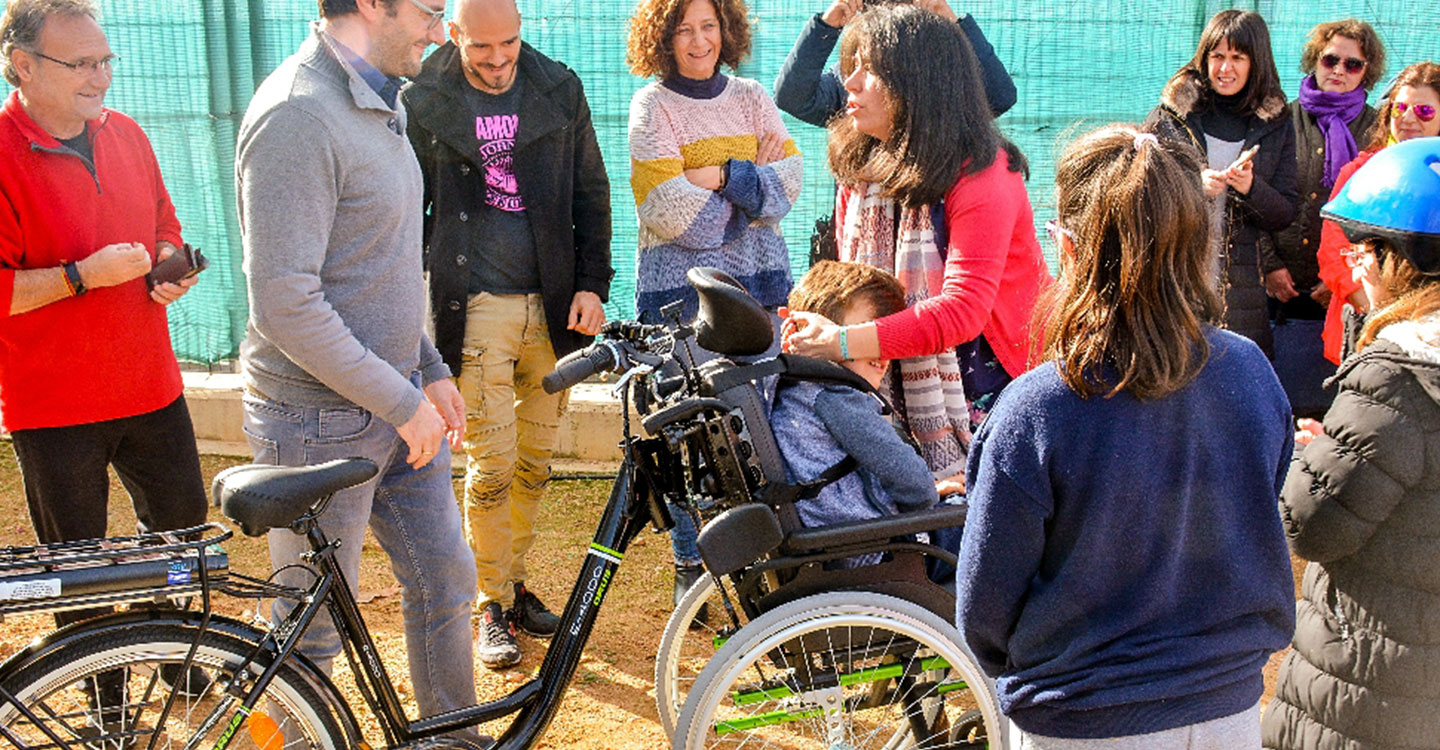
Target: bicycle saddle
x=730, y=322
x=260, y=497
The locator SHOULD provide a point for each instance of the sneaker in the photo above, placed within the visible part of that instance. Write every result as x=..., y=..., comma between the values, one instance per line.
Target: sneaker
x=496, y=645
x=531, y=615
x=197, y=684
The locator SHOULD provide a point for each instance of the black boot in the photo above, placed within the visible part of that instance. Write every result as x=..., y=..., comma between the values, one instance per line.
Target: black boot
x=685, y=577
x=532, y=616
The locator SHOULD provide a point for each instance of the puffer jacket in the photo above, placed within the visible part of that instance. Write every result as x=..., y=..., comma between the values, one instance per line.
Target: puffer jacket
x=1362, y=503
x=1270, y=206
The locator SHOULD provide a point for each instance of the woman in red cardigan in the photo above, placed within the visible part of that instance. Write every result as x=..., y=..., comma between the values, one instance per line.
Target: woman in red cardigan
x=931, y=192
x=1411, y=109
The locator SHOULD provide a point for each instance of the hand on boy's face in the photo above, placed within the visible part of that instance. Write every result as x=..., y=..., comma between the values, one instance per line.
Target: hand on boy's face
x=812, y=335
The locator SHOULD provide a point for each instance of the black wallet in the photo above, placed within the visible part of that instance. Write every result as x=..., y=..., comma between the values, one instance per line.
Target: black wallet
x=185, y=262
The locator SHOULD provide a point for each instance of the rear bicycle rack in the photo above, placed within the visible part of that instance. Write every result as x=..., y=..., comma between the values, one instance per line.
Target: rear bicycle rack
x=100, y=572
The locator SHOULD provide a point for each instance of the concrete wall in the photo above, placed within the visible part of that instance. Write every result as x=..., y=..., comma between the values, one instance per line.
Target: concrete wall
x=589, y=432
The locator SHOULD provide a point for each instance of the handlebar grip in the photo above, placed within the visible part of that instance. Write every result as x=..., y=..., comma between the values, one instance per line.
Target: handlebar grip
x=577, y=366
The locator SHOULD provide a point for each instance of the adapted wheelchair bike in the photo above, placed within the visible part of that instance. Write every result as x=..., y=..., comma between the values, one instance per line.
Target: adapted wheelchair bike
x=849, y=674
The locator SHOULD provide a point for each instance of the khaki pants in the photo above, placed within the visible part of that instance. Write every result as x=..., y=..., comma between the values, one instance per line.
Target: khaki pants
x=510, y=432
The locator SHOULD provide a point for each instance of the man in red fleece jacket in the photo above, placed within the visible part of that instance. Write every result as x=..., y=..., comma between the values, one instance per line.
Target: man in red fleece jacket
x=87, y=375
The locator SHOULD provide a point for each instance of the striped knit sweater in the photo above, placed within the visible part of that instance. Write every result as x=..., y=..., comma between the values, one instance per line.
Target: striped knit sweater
x=683, y=225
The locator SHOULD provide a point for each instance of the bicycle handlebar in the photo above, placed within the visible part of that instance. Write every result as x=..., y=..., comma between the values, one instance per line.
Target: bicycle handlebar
x=619, y=343
x=577, y=366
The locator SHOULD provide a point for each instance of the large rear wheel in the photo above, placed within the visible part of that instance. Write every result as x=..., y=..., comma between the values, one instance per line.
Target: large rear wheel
x=107, y=691
x=688, y=643
x=848, y=670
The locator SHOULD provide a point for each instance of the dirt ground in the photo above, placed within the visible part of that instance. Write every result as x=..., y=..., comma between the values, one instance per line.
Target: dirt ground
x=610, y=704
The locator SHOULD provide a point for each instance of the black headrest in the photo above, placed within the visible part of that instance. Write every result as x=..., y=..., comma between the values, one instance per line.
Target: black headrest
x=730, y=321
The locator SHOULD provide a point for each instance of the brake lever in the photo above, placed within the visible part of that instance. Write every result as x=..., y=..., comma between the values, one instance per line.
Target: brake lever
x=620, y=385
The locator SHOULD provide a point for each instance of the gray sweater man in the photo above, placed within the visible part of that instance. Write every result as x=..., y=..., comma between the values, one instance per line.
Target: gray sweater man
x=335, y=360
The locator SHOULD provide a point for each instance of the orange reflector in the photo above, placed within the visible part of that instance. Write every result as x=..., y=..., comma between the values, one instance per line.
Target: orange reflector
x=264, y=732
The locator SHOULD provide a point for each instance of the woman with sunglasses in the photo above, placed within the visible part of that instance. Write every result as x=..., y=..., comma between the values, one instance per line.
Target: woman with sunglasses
x=1342, y=60
x=930, y=191
x=1407, y=111
x=1227, y=103
x=1361, y=501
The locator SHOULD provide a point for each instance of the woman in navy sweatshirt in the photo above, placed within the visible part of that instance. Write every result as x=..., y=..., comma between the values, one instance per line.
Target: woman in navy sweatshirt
x=1123, y=571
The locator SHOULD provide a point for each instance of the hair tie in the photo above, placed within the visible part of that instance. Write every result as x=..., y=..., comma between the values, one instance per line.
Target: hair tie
x=1143, y=138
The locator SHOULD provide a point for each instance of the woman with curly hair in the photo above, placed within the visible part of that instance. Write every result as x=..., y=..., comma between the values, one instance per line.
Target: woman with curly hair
x=1342, y=60
x=930, y=191
x=1227, y=103
x=713, y=171
x=1407, y=111
x=712, y=167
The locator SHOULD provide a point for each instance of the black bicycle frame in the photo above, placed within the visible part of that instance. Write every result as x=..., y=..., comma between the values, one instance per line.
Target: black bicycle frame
x=626, y=515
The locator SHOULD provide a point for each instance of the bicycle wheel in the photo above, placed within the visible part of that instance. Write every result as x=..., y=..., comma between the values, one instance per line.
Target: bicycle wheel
x=107, y=690
x=688, y=644
x=846, y=670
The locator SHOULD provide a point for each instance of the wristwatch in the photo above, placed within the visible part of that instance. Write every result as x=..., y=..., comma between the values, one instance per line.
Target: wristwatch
x=73, y=280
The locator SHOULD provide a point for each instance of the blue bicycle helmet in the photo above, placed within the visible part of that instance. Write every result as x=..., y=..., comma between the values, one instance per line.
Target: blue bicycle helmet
x=1395, y=197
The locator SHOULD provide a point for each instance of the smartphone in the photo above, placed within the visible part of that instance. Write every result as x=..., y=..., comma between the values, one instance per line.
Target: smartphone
x=1245, y=156
x=185, y=262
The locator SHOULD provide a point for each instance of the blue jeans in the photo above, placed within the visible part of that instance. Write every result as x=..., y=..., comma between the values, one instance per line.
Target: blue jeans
x=417, y=522
x=1301, y=366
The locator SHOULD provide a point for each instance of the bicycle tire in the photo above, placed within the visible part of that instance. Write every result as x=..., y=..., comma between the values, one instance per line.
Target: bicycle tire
x=687, y=645
x=60, y=686
x=850, y=669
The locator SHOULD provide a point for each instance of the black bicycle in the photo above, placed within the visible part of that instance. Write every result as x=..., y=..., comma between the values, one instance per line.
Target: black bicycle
x=878, y=666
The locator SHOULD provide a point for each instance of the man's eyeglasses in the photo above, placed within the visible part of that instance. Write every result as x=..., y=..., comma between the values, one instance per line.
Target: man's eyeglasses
x=436, y=16
x=1425, y=112
x=1352, y=64
x=88, y=67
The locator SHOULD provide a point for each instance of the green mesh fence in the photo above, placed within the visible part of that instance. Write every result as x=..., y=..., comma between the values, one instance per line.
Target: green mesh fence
x=189, y=67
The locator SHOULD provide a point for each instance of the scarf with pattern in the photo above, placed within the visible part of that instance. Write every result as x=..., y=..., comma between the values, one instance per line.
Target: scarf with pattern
x=935, y=404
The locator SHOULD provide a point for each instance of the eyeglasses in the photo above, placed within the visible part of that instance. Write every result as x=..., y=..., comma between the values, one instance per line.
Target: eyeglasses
x=1356, y=255
x=436, y=16
x=1352, y=64
x=1053, y=228
x=1425, y=112
x=88, y=67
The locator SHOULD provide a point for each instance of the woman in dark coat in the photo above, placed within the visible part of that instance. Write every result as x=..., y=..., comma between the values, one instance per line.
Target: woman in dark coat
x=1363, y=502
x=1342, y=61
x=1225, y=102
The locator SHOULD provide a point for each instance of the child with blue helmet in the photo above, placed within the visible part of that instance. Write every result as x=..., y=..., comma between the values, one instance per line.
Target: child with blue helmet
x=1363, y=501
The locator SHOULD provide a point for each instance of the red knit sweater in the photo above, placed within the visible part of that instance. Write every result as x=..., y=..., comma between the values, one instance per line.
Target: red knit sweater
x=106, y=354
x=994, y=271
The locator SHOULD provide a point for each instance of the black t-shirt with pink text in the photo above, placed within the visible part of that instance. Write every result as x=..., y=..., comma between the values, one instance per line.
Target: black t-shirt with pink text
x=502, y=249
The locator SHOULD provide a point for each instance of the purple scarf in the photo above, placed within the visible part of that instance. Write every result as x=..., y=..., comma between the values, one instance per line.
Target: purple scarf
x=1333, y=113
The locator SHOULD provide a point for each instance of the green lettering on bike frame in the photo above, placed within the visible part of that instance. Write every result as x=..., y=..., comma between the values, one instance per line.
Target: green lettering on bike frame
x=235, y=721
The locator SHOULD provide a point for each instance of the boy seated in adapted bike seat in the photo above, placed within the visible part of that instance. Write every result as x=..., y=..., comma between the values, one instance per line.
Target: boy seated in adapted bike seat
x=816, y=425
